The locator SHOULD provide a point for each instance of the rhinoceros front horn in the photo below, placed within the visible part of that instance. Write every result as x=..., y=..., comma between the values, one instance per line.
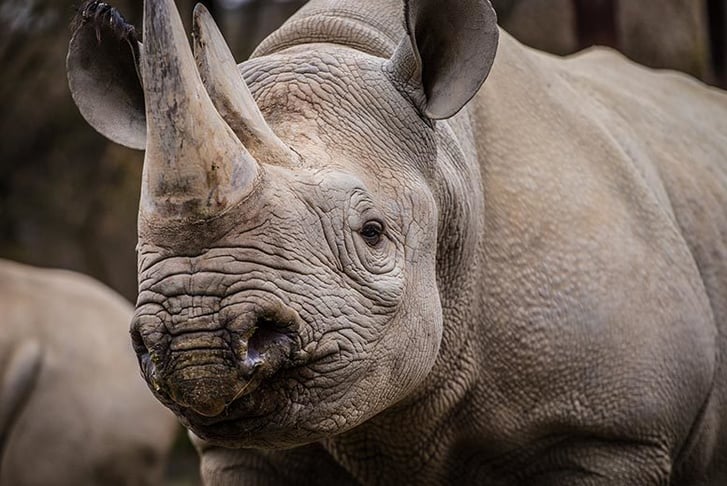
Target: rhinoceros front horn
x=195, y=165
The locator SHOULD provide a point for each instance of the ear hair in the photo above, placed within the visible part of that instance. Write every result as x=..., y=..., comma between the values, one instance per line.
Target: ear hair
x=103, y=73
x=105, y=18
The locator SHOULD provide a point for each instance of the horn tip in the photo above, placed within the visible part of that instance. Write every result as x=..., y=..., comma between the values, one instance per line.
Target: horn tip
x=200, y=12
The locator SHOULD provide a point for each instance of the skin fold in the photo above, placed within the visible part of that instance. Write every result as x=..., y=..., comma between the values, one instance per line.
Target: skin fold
x=358, y=264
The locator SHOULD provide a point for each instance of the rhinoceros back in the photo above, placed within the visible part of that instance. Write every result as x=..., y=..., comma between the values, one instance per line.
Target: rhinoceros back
x=673, y=129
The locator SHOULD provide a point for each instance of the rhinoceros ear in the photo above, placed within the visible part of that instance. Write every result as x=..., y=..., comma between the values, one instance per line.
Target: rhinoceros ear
x=447, y=54
x=102, y=65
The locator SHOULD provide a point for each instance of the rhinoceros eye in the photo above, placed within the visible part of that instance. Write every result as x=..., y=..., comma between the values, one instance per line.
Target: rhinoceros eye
x=371, y=232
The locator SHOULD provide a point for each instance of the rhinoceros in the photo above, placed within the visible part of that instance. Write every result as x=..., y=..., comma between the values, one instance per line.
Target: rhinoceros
x=395, y=246
x=73, y=408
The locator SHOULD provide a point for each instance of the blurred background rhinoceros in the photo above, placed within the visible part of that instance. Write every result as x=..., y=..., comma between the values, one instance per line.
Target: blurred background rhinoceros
x=73, y=408
x=69, y=199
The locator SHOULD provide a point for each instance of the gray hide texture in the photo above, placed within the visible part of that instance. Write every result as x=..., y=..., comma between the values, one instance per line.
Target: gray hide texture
x=360, y=265
x=73, y=409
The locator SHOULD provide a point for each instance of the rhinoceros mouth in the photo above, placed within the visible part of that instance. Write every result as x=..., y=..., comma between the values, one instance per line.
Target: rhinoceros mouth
x=216, y=395
x=246, y=416
x=259, y=397
x=245, y=409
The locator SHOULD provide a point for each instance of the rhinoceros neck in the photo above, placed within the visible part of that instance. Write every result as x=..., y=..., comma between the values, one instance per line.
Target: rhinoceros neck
x=374, y=26
x=413, y=442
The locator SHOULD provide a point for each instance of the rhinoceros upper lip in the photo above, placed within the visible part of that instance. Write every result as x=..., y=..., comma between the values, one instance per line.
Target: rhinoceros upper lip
x=224, y=418
x=243, y=409
x=252, y=402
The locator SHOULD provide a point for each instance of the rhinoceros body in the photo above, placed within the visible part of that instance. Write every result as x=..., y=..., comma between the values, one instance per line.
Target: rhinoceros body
x=360, y=265
x=73, y=410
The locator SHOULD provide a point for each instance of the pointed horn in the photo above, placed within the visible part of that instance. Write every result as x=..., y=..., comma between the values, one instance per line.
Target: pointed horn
x=229, y=93
x=195, y=166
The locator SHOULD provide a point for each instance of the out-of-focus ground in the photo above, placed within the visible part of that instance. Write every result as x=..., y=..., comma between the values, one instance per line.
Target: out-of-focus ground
x=68, y=198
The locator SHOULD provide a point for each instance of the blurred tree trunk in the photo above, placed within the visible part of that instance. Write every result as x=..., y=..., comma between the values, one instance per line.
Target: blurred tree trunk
x=717, y=13
x=596, y=23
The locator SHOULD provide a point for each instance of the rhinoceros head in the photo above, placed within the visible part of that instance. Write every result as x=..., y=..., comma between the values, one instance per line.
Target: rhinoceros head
x=289, y=279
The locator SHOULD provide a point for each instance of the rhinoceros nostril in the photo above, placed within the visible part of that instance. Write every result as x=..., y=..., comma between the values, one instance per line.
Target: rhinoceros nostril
x=266, y=347
x=146, y=362
x=149, y=370
x=267, y=334
x=137, y=342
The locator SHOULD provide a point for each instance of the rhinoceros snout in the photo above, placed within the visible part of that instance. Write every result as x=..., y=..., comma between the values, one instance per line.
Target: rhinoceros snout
x=205, y=369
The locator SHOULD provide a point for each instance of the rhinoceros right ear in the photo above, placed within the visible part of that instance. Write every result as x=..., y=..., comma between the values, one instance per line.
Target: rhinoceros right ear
x=447, y=54
x=102, y=65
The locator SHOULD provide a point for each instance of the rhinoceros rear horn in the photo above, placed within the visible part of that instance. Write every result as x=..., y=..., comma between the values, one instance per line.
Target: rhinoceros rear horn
x=195, y=165
x=229, y=93
x=102, y=66
x=447, y=54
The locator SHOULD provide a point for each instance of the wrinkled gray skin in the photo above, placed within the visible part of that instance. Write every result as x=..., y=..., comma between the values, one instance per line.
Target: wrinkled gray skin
x=73, y=409
x=399, y=277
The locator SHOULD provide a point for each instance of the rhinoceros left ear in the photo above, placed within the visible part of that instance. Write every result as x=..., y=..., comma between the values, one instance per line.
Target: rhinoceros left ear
x=447, y=54
x=103, y=74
